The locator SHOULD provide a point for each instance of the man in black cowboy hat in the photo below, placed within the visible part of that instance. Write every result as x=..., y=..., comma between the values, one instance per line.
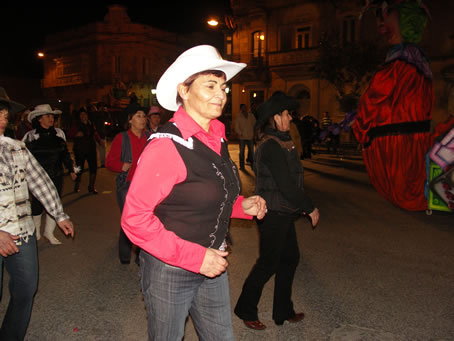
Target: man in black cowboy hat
x=279, y=180
x=19, y=174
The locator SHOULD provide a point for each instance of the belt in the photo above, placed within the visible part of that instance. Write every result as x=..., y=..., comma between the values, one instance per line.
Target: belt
x=404, y=128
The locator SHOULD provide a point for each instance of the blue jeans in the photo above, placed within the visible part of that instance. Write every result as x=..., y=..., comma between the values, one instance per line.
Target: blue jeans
x=250, y=152
x=172, y=293
x=23, y=271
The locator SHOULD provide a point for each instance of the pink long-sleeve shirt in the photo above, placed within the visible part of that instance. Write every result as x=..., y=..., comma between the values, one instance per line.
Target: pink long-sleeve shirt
x=159, y=169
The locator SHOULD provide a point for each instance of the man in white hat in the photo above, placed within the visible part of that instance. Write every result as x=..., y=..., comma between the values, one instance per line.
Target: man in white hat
x=19, y=174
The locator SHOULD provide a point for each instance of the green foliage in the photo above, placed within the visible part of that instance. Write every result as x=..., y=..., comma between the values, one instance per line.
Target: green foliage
x=348, y=67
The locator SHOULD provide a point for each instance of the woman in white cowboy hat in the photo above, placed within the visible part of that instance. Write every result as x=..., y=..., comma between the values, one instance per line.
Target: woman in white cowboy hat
x=181, y=198
x=48, y=146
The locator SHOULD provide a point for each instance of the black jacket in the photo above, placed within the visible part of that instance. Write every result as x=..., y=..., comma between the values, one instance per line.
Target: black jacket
x=279, y=175
x=50, y=150
x=87, y=142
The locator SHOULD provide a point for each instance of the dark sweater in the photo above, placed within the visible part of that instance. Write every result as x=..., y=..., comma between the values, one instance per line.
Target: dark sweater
x=279, y=175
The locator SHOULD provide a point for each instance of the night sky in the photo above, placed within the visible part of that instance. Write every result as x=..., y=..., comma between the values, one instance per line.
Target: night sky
x=24, y=29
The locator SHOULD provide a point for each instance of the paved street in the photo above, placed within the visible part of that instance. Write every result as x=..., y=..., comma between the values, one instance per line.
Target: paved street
x=369, y=271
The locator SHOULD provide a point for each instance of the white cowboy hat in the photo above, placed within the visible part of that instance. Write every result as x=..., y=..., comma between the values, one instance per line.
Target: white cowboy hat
x=197, y=59
x=42, y=109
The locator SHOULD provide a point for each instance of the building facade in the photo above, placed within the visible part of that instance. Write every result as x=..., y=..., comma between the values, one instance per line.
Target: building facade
x=107, y=61
x=279, y=40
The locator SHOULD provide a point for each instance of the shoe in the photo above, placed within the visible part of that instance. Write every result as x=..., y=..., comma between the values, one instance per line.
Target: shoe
x=52, y=240
x=297, y=318
x=93, y=190
x=257, y=325
x=125, y=261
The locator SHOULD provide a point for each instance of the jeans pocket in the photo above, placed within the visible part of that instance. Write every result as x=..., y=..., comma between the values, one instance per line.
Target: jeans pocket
x=168, y=266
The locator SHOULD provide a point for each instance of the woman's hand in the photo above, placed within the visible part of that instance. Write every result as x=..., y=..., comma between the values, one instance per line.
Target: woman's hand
x=214, y=263
x=67, y=227
x=7, y=245
x=79, y=134
x=315, y=216
x=126, y=166
x=255, y=206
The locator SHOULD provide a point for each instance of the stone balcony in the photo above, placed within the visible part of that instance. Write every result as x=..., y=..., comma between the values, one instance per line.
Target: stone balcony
x=292, y=57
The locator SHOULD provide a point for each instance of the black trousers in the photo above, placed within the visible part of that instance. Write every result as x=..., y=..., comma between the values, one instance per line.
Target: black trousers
x=90, y=157
x=279, y=255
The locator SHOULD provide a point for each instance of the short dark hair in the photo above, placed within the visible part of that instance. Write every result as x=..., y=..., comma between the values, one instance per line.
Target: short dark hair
x=188, y=82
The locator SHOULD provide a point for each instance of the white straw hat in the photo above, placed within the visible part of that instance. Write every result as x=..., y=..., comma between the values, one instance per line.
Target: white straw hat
x=42, y=109
x=197, y=59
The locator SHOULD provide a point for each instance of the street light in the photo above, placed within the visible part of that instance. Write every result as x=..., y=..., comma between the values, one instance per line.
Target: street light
x=41, y=54
x=213, y=22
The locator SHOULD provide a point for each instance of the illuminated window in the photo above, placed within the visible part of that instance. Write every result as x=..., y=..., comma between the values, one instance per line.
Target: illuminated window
x=258, y=46
x=303, y=37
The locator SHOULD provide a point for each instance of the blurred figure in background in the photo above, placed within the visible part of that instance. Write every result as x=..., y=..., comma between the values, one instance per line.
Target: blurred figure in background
x=244, y=128
x=85, y=137
x=122, y=158
x=154, y=119
x=100, y=117
x=23, y=125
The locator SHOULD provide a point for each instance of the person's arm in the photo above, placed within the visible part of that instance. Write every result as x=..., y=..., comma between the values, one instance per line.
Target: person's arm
x=274, y=158
x=159, y=169
x=113, y=158
x=237, y=211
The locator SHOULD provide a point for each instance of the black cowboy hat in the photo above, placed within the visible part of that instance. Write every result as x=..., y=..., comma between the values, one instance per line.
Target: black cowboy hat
x=14, y=107
x=277, y=103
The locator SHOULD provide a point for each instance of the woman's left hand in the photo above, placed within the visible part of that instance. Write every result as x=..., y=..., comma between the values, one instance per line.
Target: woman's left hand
x=255, y=206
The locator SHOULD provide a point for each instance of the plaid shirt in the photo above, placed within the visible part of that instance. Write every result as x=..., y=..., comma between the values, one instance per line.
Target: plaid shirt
x=20, y=172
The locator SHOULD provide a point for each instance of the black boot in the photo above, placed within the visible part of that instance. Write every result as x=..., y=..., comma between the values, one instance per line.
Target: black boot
x=91, y=185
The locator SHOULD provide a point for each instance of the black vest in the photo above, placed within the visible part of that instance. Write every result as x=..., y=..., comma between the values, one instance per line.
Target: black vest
x=199, y=208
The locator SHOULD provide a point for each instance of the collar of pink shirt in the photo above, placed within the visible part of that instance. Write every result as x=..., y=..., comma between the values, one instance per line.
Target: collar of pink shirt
x=188, y=128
